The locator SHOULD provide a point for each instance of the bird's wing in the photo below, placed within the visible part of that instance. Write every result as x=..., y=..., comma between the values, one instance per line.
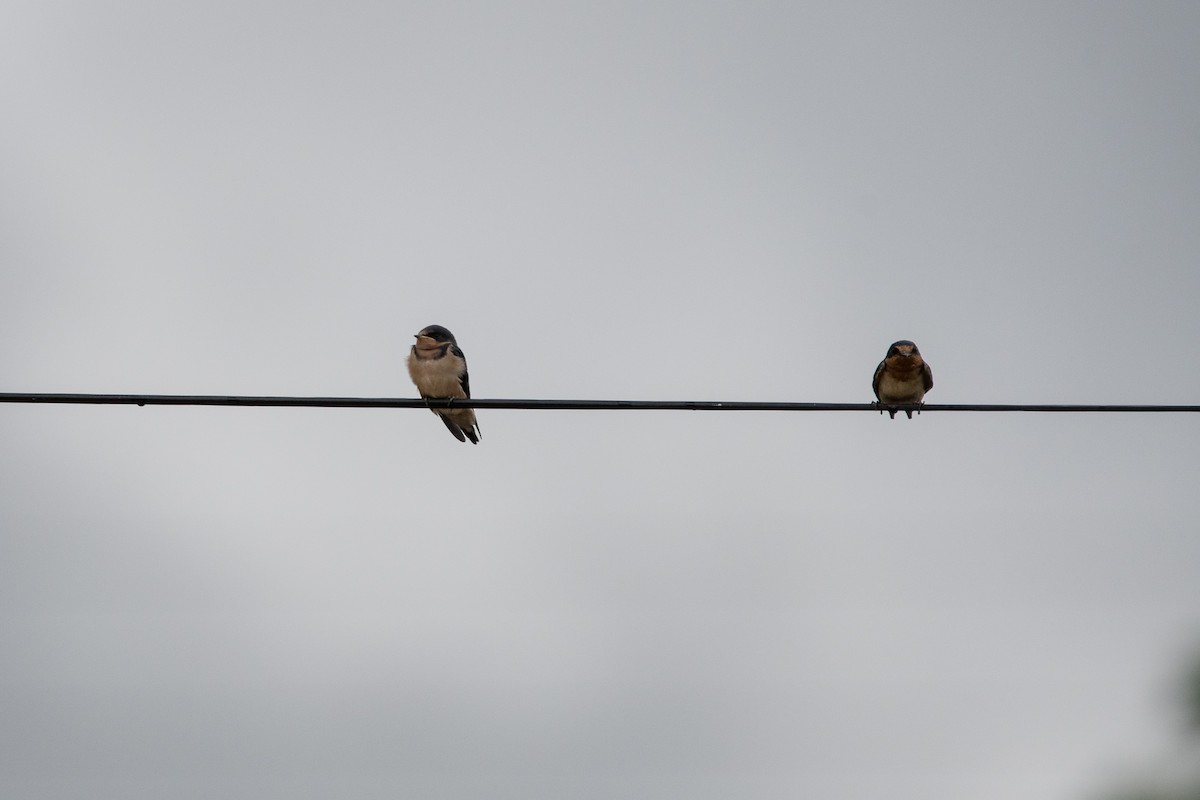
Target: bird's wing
x=927, y=376
x=878, y=377
x=464, y=380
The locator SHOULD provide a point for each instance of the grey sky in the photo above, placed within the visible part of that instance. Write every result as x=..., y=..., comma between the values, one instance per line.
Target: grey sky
x=718, y=201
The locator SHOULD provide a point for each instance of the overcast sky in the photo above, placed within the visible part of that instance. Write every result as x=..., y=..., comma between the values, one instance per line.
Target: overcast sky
x=687, y=201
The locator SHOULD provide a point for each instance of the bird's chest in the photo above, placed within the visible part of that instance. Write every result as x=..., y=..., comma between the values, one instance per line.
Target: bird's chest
x=900, y=383
x=436, y=377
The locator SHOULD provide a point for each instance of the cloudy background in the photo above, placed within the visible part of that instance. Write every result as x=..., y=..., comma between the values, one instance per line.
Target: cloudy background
x=709, y=201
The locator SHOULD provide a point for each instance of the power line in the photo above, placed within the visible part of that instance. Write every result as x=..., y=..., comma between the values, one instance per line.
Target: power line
x=554, y=405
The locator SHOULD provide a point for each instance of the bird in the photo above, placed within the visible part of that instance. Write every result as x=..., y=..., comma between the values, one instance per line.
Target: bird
x=439, y=370
x=902, y=377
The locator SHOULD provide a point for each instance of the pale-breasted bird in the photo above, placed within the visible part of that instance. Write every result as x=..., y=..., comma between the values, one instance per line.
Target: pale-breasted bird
x=439, y=370
x=902, y=377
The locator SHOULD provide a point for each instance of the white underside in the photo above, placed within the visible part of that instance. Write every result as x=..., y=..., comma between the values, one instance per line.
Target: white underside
x=436, y=377
x=892, y=390
x=439, y=377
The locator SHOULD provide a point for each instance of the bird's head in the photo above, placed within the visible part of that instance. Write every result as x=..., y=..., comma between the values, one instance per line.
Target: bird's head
x=433, y=337
x=904, y=353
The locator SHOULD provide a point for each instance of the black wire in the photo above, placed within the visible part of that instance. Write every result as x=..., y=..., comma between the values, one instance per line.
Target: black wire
x=560, y=405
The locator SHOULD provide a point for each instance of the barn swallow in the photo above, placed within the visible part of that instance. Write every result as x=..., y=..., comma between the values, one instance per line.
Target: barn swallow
x=439, y=370
x=902, y=377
